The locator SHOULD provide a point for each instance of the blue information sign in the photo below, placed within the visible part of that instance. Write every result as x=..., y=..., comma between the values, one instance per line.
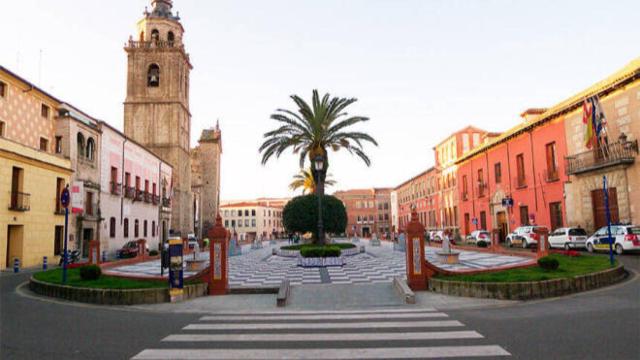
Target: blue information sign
x=175, y=269
x=64, y=197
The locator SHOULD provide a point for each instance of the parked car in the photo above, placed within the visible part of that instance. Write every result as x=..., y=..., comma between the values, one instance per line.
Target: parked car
x=568, y=238
x=479, y=235
x=192, y=240
x=625, y=238
x=524, y=236
x=129, y=249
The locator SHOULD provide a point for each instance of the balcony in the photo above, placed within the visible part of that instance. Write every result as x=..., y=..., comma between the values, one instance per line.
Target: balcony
x=166, y=202
x=481, y=189
x=147, y=197
x=116, y=188
x=129, y=192
x=520, y=182
x=139, y=195
x=156, y=44
x=551, y=175
x=19, y=201
x=155, y=199
x=622, y=152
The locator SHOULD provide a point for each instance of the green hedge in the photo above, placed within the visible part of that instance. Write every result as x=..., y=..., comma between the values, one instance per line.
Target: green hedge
x=90, y=272
x=548, y=263
x=320, y=251
x=342, y=246
x=301, y=215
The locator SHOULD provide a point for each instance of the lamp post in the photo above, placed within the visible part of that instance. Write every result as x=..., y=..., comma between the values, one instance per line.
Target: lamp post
x=318, y=165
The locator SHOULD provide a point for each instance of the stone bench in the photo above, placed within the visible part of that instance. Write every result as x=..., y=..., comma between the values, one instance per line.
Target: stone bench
x=404, y=290
x=283, y=293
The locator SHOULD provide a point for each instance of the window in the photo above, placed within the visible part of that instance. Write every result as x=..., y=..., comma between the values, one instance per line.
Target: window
x=239, y=212
x=3, y=89
x=497, y=170
x=386, y=206
x=552, y=166
x=125, y=228
x=44, y=144
x=483, y=220
x=153, y=76
x=91, y=147
x=136, y=228
x=253, y=222
x=246, y=213
x=466, y=223
x=144, y=228
x=524, y=215
x=520, y=168
x=226, y=223
x=59, y=188
x=386, y=216
x=58, y=144
x=80, y=141
x=154, y=189
x=233, y=224
x=240, y=223
x=480, y=183
x=379, y=217
x=226, y=213
x=58, y=240
x=2, y=128
x=253, y=212
x=465, y=189
x=88, y=206
x=127, y=179
x=112, y=227
x=146, y=186
x=246, y=222
x=555, y=210
x=171, y=37
x=153, y=228
x=155, y=35
x=44, y=111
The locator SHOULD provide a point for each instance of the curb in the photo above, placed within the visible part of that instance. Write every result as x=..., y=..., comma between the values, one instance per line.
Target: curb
x=529, y=289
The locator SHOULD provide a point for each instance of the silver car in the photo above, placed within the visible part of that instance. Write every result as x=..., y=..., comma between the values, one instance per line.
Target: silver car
x=568, y=238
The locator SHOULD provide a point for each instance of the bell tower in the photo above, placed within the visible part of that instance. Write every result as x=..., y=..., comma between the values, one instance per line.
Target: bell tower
x=156, y=109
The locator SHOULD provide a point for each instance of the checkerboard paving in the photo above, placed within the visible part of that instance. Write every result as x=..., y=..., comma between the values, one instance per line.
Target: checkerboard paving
x=259, y=268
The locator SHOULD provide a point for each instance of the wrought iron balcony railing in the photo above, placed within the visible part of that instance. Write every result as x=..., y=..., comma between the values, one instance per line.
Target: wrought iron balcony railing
x=147, y=197
x=520, y=182
x=620, y=152
x=156, y=44
x=116, y=188
x=551, y=175
x=139, y=195
x=155, y=199
x=166, y=202
x=481, y=189
x=19, y=201
x=129, y=192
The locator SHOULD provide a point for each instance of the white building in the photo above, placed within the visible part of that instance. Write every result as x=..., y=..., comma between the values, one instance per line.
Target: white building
x=135, y=188
x=250, y=219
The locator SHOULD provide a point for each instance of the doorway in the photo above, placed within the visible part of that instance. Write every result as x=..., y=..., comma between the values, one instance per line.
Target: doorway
x=599, y=208
x=14, y=244
x=366, y=232
x=87, y=235
x=502, y=225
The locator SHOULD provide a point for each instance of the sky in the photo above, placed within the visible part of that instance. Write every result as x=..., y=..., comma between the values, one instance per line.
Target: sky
x=420, y=69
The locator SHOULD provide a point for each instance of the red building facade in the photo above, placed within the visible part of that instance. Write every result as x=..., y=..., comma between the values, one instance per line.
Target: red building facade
x=516, y=179
x=368, y=210
x=421, y=191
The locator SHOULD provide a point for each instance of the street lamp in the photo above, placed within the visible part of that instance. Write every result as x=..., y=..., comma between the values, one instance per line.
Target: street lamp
x=318, y=165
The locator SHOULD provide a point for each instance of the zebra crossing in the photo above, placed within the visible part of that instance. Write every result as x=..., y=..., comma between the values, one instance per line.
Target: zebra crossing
x=422, y=333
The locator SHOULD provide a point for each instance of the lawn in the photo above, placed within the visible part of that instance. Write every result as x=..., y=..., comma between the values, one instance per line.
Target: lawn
x=569, y=267
x=104, y=282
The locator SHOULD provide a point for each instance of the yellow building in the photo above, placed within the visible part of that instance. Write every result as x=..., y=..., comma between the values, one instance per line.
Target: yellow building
x=31, y=174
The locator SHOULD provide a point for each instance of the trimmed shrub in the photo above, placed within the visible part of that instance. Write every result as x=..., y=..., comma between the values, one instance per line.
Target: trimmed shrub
x=302, y=246
x=548, y=263
x=301, y=214
x=320, y=251
x=90, y=272
x=153, y=252
x=482, y=244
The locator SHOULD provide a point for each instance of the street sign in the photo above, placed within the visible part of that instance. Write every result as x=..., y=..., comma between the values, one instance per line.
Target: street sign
x=64, y=197
x=507, y=202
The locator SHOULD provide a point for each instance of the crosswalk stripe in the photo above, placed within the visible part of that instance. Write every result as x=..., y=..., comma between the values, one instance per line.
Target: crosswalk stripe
x=349, y=325
x=379, y=316
x=387, y=336
x=325, y=354
x=328, y=312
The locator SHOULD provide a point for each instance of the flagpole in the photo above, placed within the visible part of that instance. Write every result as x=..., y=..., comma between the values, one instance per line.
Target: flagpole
x=606, y=206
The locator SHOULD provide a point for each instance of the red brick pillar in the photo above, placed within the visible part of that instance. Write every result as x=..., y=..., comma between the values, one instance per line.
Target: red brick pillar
x=142, y=249
x=94, y=252
x=543, y=241
x=417, y=273
x=218, y=259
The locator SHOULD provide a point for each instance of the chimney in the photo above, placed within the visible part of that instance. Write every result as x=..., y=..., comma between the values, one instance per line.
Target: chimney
x=532, y=114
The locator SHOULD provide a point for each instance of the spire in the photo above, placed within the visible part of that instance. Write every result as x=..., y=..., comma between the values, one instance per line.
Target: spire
x=162, y=8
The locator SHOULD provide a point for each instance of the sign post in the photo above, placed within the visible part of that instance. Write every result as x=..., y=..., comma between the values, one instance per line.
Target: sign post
x=176, y=274
x=606, y=206
x=64, y=201
x=417, y=272
x=218, y=259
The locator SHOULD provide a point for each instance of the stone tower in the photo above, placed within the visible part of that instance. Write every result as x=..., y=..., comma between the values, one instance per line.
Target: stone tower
x=156, y=109
x=205, y=168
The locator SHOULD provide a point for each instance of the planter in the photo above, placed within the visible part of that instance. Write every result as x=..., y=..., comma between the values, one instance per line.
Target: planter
x=321, y=262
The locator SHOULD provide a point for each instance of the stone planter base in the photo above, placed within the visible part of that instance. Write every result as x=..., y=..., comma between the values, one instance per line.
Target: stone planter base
x=321, y=262
x=452, y=257
x=195, y=265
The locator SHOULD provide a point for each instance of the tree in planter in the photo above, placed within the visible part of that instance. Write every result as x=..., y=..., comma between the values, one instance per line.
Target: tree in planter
x=301, y=215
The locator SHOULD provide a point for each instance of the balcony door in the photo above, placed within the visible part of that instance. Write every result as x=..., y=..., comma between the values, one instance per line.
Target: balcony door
x=599, y=209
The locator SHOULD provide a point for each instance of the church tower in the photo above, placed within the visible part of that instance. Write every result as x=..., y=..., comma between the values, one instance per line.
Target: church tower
x=156, y=109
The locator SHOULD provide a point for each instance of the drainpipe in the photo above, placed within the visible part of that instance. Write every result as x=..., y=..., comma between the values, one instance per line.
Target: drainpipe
x=122, y=184
x=533, y=167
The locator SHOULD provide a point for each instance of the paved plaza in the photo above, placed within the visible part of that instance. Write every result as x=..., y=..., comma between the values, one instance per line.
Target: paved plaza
x=259, y=268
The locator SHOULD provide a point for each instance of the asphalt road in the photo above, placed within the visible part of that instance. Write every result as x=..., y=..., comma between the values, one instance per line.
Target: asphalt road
x=601, y=324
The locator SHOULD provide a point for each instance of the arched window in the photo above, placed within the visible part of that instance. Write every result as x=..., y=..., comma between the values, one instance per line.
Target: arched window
x=136, y=229
x=80, y=145
x=125, y=228
x=112, y=227
x=171, y=38
x=153, y=75
x=155, y=35
x=91, y=147
x=144, y=228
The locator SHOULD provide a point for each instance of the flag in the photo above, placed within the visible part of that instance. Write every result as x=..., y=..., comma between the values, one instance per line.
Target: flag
x=600, y=121
x=587, y=119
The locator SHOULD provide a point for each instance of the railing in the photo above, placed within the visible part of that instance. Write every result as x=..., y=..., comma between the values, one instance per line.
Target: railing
x=116, y=188
x=19, y=201
x=520, y=182
x=151, y=44
x=147, y=197
x=129, y=192
x=481, y=189
x=551, y=175
x=166, y=202
x=155, y=199
x=621, y=152
x=139, y=195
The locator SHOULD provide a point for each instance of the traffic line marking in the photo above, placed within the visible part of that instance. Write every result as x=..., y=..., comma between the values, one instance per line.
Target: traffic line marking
x=306, y=325
x=378, y=316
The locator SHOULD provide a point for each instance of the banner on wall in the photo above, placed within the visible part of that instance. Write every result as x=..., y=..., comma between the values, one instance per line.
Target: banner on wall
x=77, y=197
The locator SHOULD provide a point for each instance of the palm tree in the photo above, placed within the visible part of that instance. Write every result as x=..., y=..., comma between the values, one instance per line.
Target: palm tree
x=315, y=129
x=305, y=180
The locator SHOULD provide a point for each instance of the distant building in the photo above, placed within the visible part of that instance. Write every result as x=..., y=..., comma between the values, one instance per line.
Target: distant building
x=251, y=219
x=368, y=210
x=422, y=193
x=205, y=180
